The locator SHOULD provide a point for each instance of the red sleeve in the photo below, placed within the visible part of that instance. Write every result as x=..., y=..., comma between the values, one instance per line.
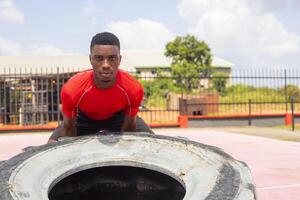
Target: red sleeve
x=135, y=101
x=68, y=104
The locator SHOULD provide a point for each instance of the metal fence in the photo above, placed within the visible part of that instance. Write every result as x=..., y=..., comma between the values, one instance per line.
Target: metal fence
x=28, y=98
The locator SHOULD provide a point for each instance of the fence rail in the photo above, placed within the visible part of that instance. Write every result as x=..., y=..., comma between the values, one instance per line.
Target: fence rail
x=28, y=98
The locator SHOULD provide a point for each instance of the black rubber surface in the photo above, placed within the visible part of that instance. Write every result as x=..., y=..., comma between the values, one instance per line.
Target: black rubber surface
x=117, y=182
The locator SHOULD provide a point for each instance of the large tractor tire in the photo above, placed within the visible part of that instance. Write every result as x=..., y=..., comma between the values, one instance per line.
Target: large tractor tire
x=125, y=166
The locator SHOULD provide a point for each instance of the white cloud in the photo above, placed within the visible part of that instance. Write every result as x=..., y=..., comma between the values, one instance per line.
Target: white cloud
x=45, y=50
x=9, y=13
x=8, y=47
x=271, y=5
x=89, y=10
x=239, y=28
x=142, y=34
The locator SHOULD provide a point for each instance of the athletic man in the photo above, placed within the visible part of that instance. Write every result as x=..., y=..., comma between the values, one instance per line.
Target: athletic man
x=104, y=98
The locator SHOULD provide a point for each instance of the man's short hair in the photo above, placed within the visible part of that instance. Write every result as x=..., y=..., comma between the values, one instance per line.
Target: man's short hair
x=105, y=38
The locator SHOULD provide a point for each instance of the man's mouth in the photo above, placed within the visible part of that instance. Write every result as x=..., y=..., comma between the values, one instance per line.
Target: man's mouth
x=106, y=75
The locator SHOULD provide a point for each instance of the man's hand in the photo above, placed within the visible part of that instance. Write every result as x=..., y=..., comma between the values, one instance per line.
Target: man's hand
x=129, y=124
x=51, y=141
x=69, y=128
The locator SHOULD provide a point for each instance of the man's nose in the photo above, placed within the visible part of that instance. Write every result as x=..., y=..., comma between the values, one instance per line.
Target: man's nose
x=106, y=63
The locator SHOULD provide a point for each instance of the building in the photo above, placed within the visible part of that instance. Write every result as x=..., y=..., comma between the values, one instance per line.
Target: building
x=147, y=63
x=144, y=62
x=30, y=85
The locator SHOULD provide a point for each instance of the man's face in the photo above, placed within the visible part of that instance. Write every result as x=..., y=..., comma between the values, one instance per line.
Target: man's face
x=105, y=60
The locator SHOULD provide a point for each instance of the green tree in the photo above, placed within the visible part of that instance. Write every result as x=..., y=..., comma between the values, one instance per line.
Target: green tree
x=156, y=90
x=190, y=58
x=291, y=91
x=219, y=81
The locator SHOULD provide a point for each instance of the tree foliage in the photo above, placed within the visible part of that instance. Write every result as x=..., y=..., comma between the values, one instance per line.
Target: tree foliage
x=291, y=91
x=157, y=89
x=219, y=81
x=190, y=58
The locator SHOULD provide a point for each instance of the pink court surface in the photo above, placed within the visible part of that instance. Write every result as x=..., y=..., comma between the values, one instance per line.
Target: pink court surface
x=275, y=164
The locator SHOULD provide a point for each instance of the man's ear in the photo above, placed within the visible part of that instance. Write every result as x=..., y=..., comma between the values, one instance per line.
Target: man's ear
x=90, y=57
x=120, y=60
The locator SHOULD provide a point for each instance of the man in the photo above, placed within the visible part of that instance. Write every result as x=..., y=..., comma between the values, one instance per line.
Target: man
x=102, y=99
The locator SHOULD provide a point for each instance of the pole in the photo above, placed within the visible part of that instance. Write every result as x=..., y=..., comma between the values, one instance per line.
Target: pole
x=250, y=117
x=293, y=116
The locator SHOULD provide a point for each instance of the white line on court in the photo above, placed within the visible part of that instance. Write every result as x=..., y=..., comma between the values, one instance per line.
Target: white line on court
x=278, y=187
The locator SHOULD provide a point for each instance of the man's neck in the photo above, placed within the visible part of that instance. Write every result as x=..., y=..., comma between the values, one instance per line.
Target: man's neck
x=104, y=85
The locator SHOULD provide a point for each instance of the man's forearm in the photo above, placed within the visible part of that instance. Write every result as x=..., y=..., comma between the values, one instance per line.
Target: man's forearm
x=129, y=124
x=69, y=128
x=69, y=132
x=127, y=128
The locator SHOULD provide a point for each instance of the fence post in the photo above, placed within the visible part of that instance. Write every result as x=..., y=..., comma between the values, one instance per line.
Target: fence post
x=249, y=117
x=183, y=121
x=183, y=103
x=285, y=89
x=181, y=89
x=5, y=97
x=58, y=95
x=293, y=115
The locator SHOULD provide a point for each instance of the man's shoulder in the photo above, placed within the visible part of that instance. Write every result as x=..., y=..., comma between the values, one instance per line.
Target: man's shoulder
x=128, y=81
x=82, y=76
x=78, y=82
x=132, y=87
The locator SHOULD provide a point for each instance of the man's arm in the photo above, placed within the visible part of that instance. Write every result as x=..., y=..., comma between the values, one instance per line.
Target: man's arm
x=69, y=128
x=129, y=124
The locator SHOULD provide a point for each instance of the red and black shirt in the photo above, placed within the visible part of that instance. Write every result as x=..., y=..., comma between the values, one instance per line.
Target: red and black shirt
x=81, y=93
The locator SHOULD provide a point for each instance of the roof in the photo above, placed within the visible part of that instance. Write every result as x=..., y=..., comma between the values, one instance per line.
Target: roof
x=157, y=59
x=219, y=62
x=146, y=58
x=150, y=59
x=72, y=63
x=49, y=64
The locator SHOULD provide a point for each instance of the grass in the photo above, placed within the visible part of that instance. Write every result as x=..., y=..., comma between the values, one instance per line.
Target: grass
x=278, y=133
x=289, y=128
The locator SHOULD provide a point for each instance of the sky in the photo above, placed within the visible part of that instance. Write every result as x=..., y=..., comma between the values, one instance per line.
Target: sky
x=248, y=33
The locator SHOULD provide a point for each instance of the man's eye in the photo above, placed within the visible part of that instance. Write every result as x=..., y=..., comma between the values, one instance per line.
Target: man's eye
x=99, y=58
x=112, y=58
